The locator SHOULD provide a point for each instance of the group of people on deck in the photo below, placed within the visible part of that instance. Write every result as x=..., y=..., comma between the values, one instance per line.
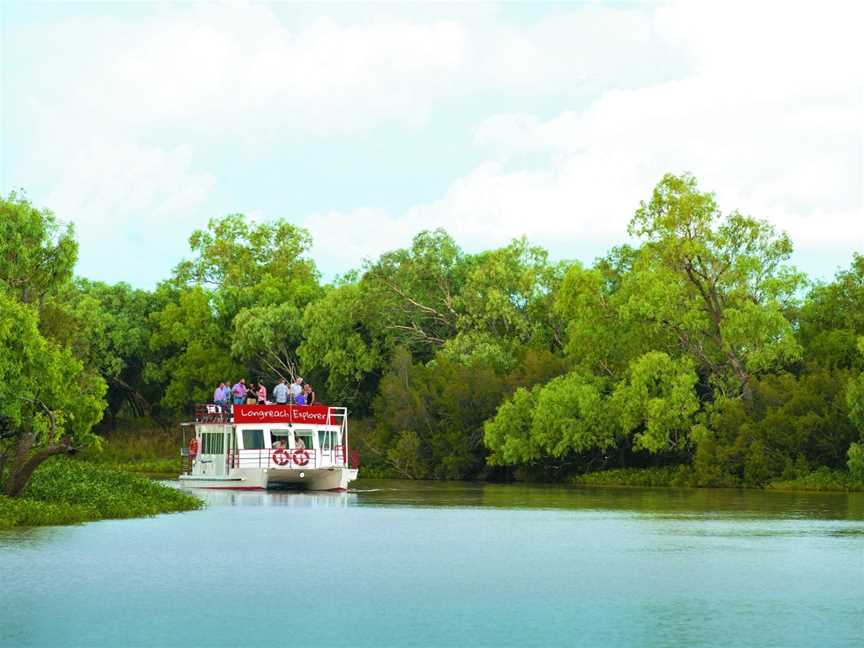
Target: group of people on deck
x=296, y=393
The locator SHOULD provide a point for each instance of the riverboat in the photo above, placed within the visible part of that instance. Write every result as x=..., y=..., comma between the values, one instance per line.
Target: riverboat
x=255, y=447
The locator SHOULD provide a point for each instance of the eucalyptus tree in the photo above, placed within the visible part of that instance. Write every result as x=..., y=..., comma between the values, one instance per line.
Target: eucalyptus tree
x=51, y=401
x=235, y=308
x=719, y=283
x=37, y=253
x=659, y=332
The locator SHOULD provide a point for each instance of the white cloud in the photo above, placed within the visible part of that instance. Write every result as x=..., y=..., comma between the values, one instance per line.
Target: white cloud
x=128, y=202
x=117, y=120
x=769, y=116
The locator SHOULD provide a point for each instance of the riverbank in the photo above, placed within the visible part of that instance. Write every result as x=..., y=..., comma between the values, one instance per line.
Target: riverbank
x=821, y=479
x=141, y=450
x=71, y=491
x=156, y=452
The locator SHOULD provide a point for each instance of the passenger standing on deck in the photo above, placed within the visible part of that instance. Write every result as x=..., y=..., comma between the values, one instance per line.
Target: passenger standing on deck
x=220, y=396
x=296, y=388
x=309, y=394
x=252, y=394
x=239, y=392
x=281, y=392
x=262, y=394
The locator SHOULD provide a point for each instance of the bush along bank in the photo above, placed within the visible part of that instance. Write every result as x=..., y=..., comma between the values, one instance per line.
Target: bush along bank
x=69, y=491
x=138, y=449
x=821, y=479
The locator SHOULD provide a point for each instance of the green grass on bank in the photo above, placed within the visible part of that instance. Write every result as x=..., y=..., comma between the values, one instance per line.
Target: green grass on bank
x=70, y=491
x=663, y=476
x=822, y=479
x=150, y=451
x=143, y=448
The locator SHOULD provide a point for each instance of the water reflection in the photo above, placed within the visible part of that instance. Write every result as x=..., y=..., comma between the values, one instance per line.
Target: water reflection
x=292, y=499
x=698, y=503
x=440, y=564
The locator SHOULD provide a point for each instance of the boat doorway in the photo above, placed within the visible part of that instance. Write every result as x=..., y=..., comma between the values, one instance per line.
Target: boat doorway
x=217, y=446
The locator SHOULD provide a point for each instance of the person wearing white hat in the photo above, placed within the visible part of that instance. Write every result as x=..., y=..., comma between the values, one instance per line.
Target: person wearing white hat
x=296, y=388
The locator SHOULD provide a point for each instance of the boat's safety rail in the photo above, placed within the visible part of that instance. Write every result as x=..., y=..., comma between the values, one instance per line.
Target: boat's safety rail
x=209, y=413
x=283, y=458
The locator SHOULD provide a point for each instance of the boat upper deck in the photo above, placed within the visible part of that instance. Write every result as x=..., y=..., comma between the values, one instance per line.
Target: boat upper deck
x=272, y=413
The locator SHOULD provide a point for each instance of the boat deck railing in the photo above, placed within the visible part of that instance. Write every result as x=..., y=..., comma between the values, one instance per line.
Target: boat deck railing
x=212, y=413
x=293, y=459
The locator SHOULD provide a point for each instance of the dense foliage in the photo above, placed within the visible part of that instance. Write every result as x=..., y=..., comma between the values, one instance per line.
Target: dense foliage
x=698, y=352
x=65, y=491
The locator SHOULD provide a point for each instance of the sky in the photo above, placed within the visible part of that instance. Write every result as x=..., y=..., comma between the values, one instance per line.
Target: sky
x=368, y=123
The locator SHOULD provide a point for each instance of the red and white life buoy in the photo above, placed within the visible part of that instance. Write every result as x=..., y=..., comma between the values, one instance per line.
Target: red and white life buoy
x=280, y=456
x=193, y=446
x=301, y=457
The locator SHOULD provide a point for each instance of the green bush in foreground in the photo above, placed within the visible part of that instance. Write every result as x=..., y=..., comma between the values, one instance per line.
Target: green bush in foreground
x=145, y=450
x=662, y=476
x=823, y=479
x=67, y=491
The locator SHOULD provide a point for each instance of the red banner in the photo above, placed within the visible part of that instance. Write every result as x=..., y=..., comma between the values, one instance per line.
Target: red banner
x=310, y=414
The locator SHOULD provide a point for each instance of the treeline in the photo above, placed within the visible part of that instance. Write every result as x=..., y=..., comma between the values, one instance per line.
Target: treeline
x=701, y=346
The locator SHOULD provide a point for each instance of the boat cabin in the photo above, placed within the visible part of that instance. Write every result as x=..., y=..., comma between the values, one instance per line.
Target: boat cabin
x=256, y=446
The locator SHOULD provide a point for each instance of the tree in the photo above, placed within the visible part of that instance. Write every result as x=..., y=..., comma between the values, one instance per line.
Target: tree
x=832, y=318
x=506, y=305
x=718, y=283
x=191, y=348
x=343, y=338
x=235, y=308
x=657, y=401
x=417, y=292
x=108, y=328
x=855, y=401
x=51, y=402
x=37, y=254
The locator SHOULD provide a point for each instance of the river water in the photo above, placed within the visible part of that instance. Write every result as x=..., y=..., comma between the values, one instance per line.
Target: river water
x=445, y=564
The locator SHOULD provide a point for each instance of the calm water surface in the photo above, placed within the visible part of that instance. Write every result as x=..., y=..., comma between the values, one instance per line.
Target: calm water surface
x=430, y=564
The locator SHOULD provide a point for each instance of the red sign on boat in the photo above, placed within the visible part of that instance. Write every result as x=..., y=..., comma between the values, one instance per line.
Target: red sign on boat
x=311, y=414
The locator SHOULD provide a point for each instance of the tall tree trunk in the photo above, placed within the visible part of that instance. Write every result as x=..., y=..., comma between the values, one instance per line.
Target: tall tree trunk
x=743, y=376
x=24, y=466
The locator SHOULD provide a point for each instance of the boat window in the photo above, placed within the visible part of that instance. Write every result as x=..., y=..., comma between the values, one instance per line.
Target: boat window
x=212, y=443
x=253, y=439
x=305, y=436
x=324, y=439
x=280, y=438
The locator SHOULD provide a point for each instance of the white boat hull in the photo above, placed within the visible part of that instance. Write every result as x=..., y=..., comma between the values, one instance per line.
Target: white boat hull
x=314, y=479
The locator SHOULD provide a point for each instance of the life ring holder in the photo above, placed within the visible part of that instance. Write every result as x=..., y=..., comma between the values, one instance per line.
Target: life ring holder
x=301, y=457
x=280, y=457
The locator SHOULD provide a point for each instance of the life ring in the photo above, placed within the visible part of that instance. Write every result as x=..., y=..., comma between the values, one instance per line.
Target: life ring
x=301, y=457
x=193, y=446
x=280, y=456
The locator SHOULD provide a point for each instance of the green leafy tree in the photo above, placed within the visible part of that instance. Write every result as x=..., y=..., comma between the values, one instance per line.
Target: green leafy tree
x=506, y=305
x=343, y=339
x=416, y=292
x=235, y=308
x=832, y=319
x=51, y=402
x=37, y=254
x=718, y=283
x=507, y=435
x=657, y=401
x=191, y=350
x=855, y=400
x=108, y=328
